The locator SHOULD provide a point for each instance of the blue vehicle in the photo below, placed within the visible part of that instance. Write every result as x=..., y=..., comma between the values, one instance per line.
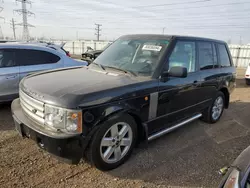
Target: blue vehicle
x=19, y=60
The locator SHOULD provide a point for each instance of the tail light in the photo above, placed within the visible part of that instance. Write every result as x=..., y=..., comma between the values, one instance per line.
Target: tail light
x=233, y=180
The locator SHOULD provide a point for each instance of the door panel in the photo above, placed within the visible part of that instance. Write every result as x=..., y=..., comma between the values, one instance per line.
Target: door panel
x=9, y=75
x=210, y=83
x=178, y=98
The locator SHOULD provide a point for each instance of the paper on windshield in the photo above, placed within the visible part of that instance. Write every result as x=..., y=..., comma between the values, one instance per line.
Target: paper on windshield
x=152, y=47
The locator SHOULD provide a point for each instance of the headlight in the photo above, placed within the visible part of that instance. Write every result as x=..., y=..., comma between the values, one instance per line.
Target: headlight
x=233, y=180
x=63, y=119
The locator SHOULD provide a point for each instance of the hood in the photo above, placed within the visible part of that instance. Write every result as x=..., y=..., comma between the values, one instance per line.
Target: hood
x=82, y=86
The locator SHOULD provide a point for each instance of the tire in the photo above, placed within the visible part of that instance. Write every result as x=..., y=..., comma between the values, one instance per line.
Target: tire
x=247, y=82
x=208, y=115
x=97, y=148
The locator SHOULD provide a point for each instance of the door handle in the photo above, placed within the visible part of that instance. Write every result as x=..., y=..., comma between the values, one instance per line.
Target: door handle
x=11, y=77
x=196, y=83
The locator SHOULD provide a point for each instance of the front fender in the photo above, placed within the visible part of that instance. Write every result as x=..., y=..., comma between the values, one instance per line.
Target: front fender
x=116, y=110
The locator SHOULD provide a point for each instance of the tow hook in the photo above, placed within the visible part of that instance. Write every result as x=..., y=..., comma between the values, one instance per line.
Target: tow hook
x=223, y=170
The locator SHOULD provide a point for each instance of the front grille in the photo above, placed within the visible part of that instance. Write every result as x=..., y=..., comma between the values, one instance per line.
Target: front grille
x=33, y=108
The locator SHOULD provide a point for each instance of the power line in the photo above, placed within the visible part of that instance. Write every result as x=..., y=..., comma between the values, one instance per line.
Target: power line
x=215, y=5
x=178, y=8
x=98, y=31
x=169, y=4
x=25, y=13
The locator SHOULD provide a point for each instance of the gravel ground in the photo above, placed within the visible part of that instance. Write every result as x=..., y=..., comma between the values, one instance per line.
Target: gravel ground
x=187, y=157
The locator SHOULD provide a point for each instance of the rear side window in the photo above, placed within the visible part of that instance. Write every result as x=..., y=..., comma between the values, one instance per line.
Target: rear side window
x=36, y=57
x=224, y=57
x=7, y=58
x=206, y=57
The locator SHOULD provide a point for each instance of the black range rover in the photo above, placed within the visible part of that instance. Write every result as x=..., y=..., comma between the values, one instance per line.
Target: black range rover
x=140, y=88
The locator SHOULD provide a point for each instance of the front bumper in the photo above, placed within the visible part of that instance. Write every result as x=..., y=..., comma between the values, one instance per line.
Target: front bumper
x=66, y=147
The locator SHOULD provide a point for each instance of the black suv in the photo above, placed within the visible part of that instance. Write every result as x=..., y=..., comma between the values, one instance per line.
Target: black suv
x=138, y=89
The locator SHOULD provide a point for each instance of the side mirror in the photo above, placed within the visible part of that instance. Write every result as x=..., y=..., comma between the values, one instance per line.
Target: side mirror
x=180, y=72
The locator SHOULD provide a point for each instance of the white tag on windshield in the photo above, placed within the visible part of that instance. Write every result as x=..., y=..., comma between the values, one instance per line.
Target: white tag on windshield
x=152, y=48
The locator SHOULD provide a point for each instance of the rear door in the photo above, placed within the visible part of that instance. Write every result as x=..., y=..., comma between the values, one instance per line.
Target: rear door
x=9, y=75
x=32, y=61
x=210, y=71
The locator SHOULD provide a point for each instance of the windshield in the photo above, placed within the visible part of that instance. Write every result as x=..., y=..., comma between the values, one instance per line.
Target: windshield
x=138, y=56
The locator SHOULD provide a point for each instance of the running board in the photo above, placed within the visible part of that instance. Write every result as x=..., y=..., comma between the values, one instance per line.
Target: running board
x=165, y=131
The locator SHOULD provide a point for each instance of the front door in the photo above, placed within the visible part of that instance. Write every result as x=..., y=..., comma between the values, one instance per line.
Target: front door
x=9, y=75
x=178, y=97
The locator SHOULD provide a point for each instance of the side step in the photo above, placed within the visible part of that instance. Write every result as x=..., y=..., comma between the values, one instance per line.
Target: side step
x=165, y=131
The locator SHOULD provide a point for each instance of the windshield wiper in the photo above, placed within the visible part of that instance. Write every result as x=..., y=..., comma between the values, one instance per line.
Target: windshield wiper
x=119, y=69
x=99, y=65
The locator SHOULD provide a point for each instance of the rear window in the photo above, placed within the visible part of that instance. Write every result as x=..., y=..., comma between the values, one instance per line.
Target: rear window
x=36, y=57
x=224, y=57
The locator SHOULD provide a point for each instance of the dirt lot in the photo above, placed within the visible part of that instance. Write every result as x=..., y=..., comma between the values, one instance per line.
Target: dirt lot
x=188, y=157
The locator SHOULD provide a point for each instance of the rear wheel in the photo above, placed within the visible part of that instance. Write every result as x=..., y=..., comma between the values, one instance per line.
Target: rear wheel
x=214, y=112
x=247, y=81
x=113, y=143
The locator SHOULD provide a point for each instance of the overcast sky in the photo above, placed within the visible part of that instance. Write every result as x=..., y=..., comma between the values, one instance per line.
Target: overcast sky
x=221, y=19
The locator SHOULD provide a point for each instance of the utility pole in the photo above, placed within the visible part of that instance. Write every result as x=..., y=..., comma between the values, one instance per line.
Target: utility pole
x=25, y=13
x=163, y=30
x=13, y=26
x=1, y=33
x=98, y=31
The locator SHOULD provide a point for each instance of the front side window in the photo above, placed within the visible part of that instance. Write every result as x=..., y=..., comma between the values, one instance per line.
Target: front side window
x=7, y=58
x=135, y=55
x=224, y=58
x=36, y=57
x=183, y=55
x=206, y=57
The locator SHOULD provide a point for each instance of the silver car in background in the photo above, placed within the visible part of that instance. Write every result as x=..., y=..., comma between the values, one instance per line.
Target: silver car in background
x=19, y=60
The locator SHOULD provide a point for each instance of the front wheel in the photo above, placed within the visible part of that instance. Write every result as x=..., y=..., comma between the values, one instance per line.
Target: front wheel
x=113, y=143
x=214, y=112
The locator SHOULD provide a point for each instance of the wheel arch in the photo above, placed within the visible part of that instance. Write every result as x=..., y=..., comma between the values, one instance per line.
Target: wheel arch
x=111, y=111
x=225, y=91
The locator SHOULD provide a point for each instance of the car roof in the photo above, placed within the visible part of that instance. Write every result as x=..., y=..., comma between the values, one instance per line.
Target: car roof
x=167, y=37
x=26, y=46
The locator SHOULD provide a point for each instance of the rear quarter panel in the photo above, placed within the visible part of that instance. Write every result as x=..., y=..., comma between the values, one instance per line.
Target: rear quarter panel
x=69, y=62
x=229, y=78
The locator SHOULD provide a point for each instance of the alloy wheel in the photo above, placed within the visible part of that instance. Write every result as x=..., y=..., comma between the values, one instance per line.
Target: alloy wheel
x=116, y=142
